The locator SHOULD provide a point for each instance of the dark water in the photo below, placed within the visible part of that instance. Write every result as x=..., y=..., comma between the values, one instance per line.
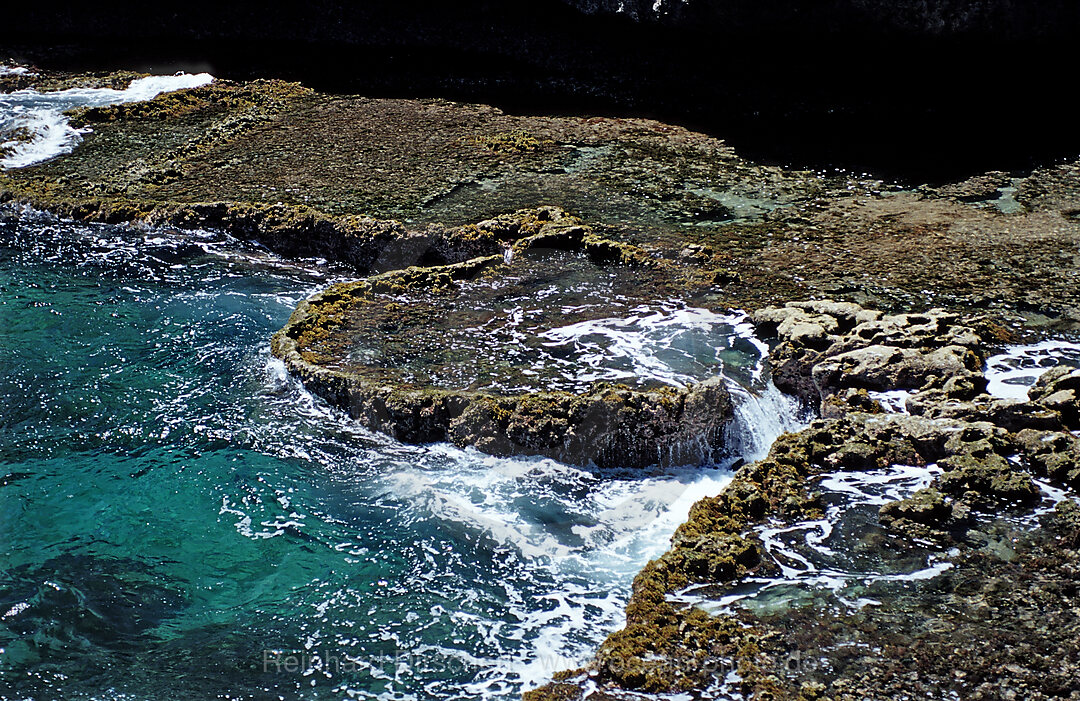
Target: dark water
x=177, y=516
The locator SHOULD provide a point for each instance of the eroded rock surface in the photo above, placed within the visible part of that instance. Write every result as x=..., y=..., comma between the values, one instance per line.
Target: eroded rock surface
x=445, y=353
x=826, y=347
x=967, y=627
x=772, y=233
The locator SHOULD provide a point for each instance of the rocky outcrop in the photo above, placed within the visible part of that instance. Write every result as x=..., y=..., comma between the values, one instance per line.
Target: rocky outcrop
x=926, y=514
x=826, y=347
x=1059, y=391
x=985, y=458
x=606, y=425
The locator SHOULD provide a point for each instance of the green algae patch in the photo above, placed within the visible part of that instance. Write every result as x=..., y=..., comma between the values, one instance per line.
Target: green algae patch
x=517, y=140
x=483, y=352
x=266, y=96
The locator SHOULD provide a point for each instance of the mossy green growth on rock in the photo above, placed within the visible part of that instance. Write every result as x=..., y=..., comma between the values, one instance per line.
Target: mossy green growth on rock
x=926, y=514
x=510, y=141
x=11, y=139
x=986, y=481
x=680, y=654
x=218, y=96
x=660, y=649
x=457, y=352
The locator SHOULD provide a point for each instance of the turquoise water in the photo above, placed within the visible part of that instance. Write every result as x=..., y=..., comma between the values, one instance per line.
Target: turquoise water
x=178, y=517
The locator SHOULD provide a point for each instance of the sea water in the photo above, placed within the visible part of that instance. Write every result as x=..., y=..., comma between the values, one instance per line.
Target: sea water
x=180, y=519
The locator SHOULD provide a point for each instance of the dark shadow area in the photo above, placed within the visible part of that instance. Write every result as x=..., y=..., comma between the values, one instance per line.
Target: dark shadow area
x=842, y=88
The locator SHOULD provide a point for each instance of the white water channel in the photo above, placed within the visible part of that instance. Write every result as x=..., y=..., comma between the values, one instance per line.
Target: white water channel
x=43, y=130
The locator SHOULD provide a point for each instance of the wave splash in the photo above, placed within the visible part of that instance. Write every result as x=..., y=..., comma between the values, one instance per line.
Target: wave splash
x=33, y=127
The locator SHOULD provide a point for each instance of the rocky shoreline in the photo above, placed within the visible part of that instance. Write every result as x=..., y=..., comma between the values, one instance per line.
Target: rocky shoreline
x=906, y=288
x=609, y=425
x=338, y=176
x=972, y=630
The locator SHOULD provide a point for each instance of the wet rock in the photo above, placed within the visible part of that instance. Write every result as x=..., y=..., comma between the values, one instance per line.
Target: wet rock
x=1053, y=454
x=860, y=441
x=827, y=347
x=986, y=481
x=792, y=368
x=988, y=448
x=715, y=557
x=847, y=401
x=925, y=514
x=612, y=426
x=1059, y=390
x=1066, y=522
x=979, y=439
x=1010, y=414
x=880, y=367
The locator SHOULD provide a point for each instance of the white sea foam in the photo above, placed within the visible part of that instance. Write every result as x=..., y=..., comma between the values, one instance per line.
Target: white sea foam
x=14, y=70
x=581, y=533
x=1011, y=373
x=590, y=531
x=663, y=343
x=41, y=114
x=813, y=555
x=892, y=401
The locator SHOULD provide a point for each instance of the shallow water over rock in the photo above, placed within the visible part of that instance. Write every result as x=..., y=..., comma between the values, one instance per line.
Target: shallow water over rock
x=548, y=321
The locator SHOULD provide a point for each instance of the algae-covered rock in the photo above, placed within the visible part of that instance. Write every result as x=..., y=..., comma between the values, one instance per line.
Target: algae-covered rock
x=1066, y=521
x=852, y=399
x=986, y=481
x=1052, y=454
x=925, y=514
x=1059, y=390
x=608, y=426
x=465, y=353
